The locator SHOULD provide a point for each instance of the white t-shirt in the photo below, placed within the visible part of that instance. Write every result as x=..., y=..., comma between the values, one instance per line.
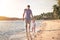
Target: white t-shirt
x=34, y=24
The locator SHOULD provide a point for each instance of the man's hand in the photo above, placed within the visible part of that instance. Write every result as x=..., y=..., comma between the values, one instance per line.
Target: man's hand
x=23, y=19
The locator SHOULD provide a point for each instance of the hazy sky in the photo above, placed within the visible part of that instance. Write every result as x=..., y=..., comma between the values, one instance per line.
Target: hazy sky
x=14, y=8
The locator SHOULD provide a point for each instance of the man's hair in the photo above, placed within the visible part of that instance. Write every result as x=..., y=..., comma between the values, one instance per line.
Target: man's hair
x=28, y=5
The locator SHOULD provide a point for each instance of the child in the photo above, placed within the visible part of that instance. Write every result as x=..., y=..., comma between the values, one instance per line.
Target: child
x=33, y=26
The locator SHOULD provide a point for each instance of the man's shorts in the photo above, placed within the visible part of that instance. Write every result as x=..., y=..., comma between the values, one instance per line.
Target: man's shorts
x=27, y=20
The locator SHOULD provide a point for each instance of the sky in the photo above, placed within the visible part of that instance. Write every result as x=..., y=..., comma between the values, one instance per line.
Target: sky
x=15, y=8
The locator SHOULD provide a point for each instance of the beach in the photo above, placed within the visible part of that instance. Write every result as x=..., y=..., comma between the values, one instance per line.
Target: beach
x=49, y=30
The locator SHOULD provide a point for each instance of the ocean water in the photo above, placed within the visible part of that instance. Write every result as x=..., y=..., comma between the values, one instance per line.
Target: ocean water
x=14, y=30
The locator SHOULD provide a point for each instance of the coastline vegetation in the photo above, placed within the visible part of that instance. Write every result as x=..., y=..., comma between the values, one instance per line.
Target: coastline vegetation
x=50, y=15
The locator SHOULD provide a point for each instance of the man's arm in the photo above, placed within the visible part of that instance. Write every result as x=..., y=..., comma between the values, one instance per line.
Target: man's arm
x=31, y=14
x=23, y=14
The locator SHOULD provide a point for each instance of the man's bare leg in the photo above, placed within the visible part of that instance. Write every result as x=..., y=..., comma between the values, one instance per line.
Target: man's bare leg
x=27, y=31
x=30, y=33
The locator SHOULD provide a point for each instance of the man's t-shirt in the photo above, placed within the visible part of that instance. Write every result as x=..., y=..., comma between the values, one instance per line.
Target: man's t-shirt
x=27, y=12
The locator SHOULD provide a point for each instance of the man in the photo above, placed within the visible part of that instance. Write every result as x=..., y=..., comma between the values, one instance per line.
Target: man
x=28, y=14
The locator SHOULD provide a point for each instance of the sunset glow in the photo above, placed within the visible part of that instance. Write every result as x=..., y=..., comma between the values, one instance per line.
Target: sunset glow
x=14, y=8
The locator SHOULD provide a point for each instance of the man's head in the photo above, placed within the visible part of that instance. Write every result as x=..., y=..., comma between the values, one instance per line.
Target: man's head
x=28, y=6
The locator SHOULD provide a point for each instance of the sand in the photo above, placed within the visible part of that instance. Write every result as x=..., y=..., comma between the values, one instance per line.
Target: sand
x=49, y=30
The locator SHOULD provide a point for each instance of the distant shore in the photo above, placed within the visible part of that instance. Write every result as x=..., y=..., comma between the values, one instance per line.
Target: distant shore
x=9, y=18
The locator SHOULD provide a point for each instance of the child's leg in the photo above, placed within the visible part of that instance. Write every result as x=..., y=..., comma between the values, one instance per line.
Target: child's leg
x=34, y=29
x=33, y=32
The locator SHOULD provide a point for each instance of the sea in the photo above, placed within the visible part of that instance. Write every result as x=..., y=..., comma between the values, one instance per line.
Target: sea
x=14, y=29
